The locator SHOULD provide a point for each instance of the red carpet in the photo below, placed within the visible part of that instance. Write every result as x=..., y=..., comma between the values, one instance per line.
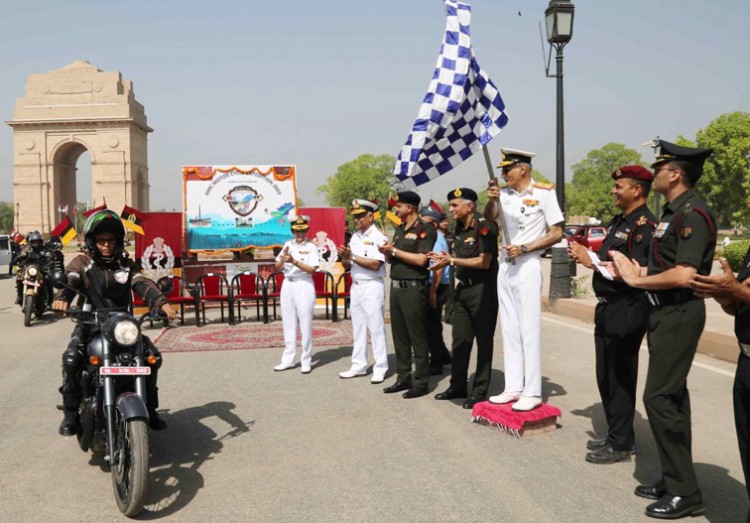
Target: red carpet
x=247, y=336
x=504, y=418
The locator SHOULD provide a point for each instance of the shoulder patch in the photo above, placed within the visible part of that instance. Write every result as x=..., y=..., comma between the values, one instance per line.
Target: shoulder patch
x=423, y=235
x=546, y=186
x=686, y=232
x=638, y=238
x=484, y=231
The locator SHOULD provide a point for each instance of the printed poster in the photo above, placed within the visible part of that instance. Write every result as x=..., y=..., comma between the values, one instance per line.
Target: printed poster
x=238, y=207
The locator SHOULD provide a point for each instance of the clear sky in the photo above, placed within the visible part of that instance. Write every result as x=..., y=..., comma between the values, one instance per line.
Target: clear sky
x=316, y=84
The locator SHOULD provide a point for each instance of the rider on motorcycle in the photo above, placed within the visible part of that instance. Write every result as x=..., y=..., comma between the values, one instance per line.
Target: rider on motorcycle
x=34, y=253
x=108, y=275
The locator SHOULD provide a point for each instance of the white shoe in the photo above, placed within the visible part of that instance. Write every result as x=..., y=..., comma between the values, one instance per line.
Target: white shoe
x=505, y=397
x=351, y=374
x=377, y=377
x=306, y=369
x=284, y=366
x=527, y=403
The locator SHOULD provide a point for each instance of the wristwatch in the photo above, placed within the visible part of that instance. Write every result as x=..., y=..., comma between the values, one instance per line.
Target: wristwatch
x=453, y=262
x=524, y=249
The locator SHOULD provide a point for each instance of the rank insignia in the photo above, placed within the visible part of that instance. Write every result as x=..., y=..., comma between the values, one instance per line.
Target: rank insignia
x=686, y=232
x=642, y=221
x=469, y=240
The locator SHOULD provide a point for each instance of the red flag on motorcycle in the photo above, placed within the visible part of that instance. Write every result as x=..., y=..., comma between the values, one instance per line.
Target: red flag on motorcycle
x=132, y=219
x=65, y=231
x=88, y=213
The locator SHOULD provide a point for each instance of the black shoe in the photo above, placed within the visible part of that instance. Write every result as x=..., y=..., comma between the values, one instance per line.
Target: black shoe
x=596, y=443
x=436, y=370
x=155, y=421
x=70, y=424
x=415, y=392
x=18, y=301
x=447, y=360
x=607, y=455
x=651, y=491
x=450, y=394
x=397, y=387
x=675, y=507
x=470, y=402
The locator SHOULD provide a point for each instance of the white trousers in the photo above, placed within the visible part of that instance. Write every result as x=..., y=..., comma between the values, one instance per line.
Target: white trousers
x=519, y=289
x=297, y=304
x=368, y=315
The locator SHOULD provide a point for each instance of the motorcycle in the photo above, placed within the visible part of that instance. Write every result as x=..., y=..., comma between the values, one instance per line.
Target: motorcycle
x=113, y=413
x=35, y=295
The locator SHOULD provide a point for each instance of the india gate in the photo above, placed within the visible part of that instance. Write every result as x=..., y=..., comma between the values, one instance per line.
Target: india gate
x=64, y=113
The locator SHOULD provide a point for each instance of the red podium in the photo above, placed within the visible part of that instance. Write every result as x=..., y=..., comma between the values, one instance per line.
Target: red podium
x=519, y=424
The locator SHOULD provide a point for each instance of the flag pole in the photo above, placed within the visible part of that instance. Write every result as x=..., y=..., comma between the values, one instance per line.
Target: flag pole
x=488, y=162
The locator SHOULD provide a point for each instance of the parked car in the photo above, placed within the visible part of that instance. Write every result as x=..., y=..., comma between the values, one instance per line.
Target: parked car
x=6, y=253
x=590, y=236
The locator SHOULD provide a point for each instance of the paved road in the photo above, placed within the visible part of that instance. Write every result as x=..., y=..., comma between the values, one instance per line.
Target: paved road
x=247, y=444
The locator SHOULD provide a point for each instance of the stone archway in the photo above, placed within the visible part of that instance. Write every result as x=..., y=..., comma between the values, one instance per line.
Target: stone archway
x=64, y=113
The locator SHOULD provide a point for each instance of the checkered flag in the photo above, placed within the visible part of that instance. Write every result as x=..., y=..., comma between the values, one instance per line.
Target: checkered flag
x=461, y=112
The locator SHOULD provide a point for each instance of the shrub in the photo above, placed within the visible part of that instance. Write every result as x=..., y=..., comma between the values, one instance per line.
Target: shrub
x=735, y=253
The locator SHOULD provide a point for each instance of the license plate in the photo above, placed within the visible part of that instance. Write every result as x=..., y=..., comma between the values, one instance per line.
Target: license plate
x=119, y=371
x=31, y=283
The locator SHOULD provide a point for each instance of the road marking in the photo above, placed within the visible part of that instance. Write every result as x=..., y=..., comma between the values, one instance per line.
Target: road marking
x=590, y=330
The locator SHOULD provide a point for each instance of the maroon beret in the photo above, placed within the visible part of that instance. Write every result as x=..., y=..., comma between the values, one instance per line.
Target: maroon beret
x=636, y=172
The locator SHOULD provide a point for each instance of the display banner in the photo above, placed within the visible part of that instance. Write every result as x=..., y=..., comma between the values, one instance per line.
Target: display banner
x=159, y=249
x=237, y=207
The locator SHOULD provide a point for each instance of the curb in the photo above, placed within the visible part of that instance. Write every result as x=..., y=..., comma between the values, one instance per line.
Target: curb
x=714, y=344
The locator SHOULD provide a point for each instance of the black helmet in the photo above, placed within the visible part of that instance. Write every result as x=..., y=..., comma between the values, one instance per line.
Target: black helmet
x=35, y=240
x=104, y=221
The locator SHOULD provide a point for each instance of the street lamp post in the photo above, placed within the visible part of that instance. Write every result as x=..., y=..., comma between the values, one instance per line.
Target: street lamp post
x=559, y=22
x=18, y=211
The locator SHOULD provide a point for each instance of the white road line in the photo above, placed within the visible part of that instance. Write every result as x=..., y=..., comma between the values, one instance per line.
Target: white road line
x=590, y=330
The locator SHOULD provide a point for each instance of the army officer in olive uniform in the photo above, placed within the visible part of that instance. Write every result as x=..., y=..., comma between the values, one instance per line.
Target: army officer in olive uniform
x=475, y=299
x=409, y=300
x=683, y=246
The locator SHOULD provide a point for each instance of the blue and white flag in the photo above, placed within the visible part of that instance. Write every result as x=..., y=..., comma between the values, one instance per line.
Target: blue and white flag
x=460, y=113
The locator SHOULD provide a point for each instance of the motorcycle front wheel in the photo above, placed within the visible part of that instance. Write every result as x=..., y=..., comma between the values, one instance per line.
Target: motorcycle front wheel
x=28, y=309
x=130, y=470
x=41, y=304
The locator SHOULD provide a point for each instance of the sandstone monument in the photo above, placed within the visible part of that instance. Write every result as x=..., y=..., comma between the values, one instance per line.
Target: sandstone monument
x=64, y=113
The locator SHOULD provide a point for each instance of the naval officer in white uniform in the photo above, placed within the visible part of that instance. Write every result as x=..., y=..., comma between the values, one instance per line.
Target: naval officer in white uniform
x=299, y=260
x=535, y=222
x=367, y=266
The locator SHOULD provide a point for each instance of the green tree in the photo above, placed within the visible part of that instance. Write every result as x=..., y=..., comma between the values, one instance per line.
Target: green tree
x=7, y=217
x=367, y=176
x=588, y=193
x=725, y=183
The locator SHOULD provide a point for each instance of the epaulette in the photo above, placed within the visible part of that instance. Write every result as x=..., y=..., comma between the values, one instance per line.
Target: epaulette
x=545, y=186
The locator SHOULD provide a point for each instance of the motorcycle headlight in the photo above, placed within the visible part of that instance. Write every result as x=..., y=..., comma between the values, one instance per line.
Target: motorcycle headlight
x=32, y=271
x=125, y=332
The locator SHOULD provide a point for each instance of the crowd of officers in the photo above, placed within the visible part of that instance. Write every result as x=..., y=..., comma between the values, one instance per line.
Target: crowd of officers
x=650, y=276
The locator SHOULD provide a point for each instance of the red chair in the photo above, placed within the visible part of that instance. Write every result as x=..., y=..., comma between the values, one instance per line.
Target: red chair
x=273, y=291
x=345, y=294
x=249, y=286
x=181, y=294
x=214, y=288
x=323, y=281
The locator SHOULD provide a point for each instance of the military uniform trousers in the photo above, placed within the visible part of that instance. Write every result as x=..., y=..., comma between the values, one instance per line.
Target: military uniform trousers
x=368, y=315
x=439, y=354
x=297, y=304
x=519, y=288
x=741, y=394
x=409, y=329
x=673, y=336
x=474, y=316
x=620, y=327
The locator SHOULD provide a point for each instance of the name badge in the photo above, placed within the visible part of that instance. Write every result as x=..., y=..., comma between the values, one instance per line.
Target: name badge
x=661, y=229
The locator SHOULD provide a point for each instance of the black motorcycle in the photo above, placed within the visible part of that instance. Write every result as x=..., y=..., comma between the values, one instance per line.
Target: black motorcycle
x=113, y=413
